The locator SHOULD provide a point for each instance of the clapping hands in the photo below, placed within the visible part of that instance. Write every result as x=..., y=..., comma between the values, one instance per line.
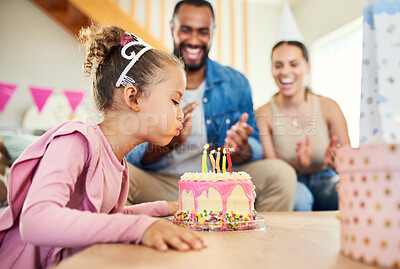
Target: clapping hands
x=304, y=152
x=330, y=153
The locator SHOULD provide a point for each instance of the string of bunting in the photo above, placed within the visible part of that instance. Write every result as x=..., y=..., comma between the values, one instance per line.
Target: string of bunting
x=39, y=95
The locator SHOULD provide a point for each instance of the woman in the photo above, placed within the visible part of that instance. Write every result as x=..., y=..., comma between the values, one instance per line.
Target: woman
x=302, y=128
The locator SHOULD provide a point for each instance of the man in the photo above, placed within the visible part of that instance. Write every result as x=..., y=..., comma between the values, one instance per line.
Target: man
x=218, y=110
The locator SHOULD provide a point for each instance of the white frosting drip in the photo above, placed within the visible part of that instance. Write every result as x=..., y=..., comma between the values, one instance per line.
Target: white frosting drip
x=215, y=176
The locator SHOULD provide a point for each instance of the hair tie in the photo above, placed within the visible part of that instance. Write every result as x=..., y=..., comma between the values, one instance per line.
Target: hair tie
x=126, y=38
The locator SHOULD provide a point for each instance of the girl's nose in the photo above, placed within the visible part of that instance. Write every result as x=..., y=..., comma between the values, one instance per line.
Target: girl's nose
x=180, y=113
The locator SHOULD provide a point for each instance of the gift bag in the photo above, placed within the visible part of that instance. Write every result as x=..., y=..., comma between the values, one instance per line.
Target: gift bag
x=369, y=186
x=380, y=87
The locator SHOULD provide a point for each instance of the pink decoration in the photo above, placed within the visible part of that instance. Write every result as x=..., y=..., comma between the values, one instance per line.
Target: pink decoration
x=228, y=155
x=127, y=38
x=6, y=92
x=224, y=189
x=74, y=98
x=40, y=96
x=369, y=203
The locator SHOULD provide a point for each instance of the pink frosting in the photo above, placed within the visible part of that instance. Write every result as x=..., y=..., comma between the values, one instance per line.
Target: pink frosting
x=223, y=187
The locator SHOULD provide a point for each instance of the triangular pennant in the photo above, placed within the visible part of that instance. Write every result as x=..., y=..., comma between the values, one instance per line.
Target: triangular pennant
x=6, y=92
x=74, y=98
x=288, y=30
x=40, y=96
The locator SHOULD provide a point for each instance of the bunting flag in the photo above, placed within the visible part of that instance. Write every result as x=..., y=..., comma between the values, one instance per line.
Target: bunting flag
x=75, y=98
x=40, y=96
x=6, y=92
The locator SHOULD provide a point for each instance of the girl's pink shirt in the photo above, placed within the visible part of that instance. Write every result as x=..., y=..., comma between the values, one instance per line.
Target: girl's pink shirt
x=66, y=192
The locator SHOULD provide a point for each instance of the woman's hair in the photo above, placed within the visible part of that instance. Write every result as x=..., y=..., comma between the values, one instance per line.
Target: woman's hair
x=104, y=60
x=303, y=50
x=293, y=43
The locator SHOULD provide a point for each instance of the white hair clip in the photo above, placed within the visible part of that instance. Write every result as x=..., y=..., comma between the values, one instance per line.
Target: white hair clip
x=127, y=41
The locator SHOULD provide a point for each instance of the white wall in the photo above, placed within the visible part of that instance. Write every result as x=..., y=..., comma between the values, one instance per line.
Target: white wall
x=35, y=51
x=317, y=18
x=336, y=66
x=263, y=30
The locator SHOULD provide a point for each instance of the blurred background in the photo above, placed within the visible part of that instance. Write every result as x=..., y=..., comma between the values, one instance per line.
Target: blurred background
x=39, y=50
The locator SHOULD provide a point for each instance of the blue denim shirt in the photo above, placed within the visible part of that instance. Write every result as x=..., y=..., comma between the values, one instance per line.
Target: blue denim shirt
x=227, y=96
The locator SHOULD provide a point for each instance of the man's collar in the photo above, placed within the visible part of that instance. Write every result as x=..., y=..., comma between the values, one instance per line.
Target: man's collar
x=214, y=73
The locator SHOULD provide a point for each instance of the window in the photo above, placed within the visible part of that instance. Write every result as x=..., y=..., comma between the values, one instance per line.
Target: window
x=336, y=66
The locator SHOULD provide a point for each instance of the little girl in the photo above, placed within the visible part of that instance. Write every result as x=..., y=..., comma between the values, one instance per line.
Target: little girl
x=68, y=189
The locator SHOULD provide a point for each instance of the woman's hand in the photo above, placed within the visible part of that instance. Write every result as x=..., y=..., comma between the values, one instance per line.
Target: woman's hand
x=304, y=152
x=173, y=207
x=330, y=153
x=162, y=235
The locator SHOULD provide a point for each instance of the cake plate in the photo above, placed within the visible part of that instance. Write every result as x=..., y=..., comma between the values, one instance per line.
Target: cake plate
x=257, y=224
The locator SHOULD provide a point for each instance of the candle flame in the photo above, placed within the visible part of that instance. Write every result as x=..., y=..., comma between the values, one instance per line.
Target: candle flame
x=206, y=146
x=224, y=150
x=213, y=151
x=219, y=149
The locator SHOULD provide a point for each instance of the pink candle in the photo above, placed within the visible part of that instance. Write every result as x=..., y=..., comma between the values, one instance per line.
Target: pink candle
x=217, y=161
x=228, y=155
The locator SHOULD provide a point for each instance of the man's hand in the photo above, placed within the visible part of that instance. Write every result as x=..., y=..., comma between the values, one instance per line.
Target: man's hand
x=237, y=140
x=162, y=235
x=304, y=152
x=187, y=126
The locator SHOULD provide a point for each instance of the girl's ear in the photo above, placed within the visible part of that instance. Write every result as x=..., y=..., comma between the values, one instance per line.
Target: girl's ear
x=131, y=97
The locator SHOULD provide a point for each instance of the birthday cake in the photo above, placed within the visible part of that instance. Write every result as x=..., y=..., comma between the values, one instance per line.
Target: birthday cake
x=216, y=198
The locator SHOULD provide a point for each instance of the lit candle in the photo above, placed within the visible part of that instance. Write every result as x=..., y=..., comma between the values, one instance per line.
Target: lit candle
x=229, y=162
x=204, y=159
x=212, y=160
x=217, y=161
x=224, y=162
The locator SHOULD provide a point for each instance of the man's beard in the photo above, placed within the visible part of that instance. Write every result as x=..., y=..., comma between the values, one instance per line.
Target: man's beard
x=192, y=67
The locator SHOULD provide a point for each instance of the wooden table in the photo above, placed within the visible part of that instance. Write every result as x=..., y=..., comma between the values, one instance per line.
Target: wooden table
x=291, y=240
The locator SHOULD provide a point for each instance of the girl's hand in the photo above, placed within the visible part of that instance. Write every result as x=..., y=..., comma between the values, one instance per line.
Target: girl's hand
x=173, y=207
x=330, y=153
x=162, y=236
x=304, y=152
